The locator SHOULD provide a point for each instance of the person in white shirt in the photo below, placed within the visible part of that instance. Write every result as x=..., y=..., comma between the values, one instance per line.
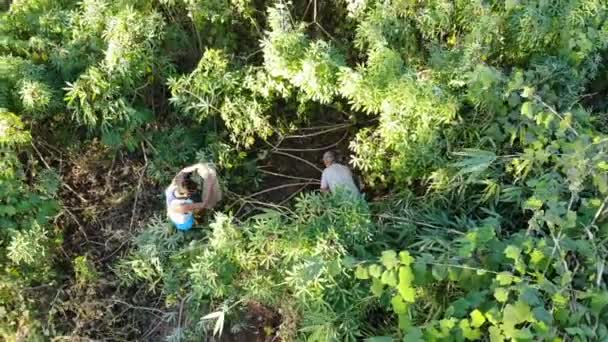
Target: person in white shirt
x=336, y=176
x=179, y=194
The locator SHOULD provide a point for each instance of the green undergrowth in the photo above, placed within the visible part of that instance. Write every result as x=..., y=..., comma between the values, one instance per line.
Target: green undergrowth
x=479, y=128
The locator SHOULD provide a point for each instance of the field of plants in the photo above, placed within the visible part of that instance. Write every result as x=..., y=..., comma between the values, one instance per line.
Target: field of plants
x=479, y=129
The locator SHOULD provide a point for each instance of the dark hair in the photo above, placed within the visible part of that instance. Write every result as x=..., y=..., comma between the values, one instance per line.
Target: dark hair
x=184, y=183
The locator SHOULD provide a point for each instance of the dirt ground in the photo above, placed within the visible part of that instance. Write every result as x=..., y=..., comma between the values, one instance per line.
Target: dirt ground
x=107, y=199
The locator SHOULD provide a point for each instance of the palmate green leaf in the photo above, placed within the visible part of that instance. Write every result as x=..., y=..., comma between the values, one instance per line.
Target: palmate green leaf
x=536, y=256
x=375, y=271
x=407, y=293
x=361, y=272
x=475, y=161
x=542, y=315
x=477, y=319
x=414, y=335
x=405, y=258
x=496, y=334
x=599, y=301
x=406, y=276
x=531, y=296
x=505, y=278
x=389, y=259
x=468, y=332
x=518, y=334
x=527, y=109
x=512, y=252
x=517, y=313
x=399, y=305
x=447, y=324
x=533, y=203
x=389, y=277
x=377, y=287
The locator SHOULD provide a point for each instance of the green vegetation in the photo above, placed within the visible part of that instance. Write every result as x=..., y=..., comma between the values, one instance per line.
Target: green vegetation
x=478, y=127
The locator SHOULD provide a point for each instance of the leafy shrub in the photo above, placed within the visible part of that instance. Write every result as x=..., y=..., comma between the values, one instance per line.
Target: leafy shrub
x=269, y=258
x=27, y=244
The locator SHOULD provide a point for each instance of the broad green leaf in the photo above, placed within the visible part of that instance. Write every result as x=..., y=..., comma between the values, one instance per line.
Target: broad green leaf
x=477, y=319
x=475, y=161
x=389, y=259
x=515, y=314
x=527, y=109
x=559, y=300
x=542, y=315
x=461, y=307
x=375, y=271
x=406, y=258
x=408, y=294
x=468, y=332
x=531, y=296
x=533, y=203
x=447, y=324
x=414, y=335
x=512, y=252
x=521, y=334
x=399, y=305
x=405, y=276
x=599, y=302
x=504, y=278
x=528, y=92
x=496, y=334
x=361, y=272
x=404, y=322
x=389, y=278
x=377, y=287
x=493, y=316
x=536, y=256
x=439, y=272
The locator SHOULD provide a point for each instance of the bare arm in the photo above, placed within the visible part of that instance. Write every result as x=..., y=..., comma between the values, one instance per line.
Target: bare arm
x=187, y=207
x=324, y=184
x=191, y=168
x=208, y=193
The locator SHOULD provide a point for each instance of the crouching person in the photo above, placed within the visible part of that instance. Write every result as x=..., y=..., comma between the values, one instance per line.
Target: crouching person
x=337, y=176
x=181, y=194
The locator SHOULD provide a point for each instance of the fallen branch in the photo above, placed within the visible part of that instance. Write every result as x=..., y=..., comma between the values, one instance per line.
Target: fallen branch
x=311, y=180
x=298, y=158
x=296, y=193
x=314, y=148
x=333, y=129
x=138, y=190
x=276, y=188
x=245, y=200
x=80, y=227
x=136, y=307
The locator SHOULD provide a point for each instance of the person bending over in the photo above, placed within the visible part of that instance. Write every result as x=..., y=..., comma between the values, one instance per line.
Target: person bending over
x=336, y=175
x=181, y=193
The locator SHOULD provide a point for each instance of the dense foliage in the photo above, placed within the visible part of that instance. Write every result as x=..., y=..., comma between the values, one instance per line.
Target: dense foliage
x=479, y=128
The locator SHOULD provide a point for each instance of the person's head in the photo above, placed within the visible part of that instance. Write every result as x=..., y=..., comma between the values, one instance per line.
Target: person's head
x=329, y=158
x=185, y=186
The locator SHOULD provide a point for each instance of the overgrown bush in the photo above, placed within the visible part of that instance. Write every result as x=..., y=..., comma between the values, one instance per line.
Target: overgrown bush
x=475, y=124
x=271, y=258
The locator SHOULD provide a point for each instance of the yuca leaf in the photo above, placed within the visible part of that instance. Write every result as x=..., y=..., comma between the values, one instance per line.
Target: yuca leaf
x=474, y=161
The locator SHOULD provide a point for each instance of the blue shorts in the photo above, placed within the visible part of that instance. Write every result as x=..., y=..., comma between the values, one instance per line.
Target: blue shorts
x=186, y=225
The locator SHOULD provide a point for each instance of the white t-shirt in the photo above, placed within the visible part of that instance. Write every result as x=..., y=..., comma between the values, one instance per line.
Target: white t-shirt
x=338, y=175
x=209, y=175
x=177, y=218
